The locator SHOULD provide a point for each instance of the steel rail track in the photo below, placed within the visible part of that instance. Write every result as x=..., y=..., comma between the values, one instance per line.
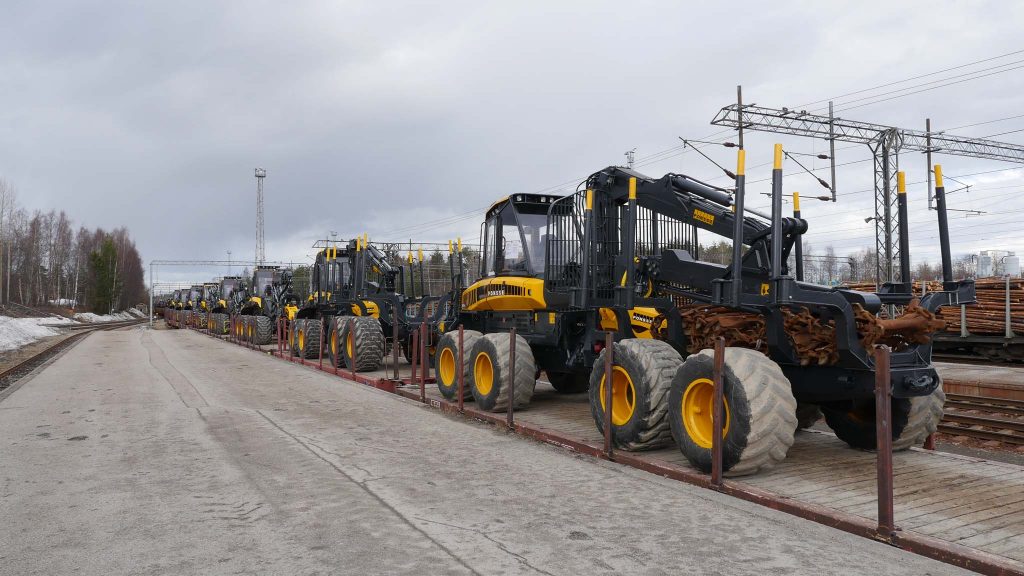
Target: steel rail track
x=983, y=423
x=32, y=362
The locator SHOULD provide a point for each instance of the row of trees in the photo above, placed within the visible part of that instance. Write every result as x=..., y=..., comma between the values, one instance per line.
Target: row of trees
x=829, y=269
x=45, y=260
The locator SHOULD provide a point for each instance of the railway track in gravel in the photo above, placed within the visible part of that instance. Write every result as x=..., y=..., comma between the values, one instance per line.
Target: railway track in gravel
x=78, y=332
x=988, y=418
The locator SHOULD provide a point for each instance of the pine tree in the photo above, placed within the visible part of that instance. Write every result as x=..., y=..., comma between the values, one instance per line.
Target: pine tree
x=105, y=287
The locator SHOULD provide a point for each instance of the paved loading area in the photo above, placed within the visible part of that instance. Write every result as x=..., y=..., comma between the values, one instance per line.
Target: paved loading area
x=167, y=452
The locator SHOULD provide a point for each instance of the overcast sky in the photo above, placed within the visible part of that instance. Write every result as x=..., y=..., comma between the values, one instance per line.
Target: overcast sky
x=379, y=117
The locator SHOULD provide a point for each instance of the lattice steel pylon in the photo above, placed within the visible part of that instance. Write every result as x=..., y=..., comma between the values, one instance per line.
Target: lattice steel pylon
x=885, y=143
x=260, y=245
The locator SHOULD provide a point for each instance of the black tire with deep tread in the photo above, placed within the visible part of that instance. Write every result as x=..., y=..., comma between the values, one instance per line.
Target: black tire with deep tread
x=450, y=342
x=312, y=339
x=569, y=382
x=913, y=419
x=297, y=325
x=761, y=411
x=807, y=415
x=367, y=341
x=333, y=344
x=650, y=364
x=264, y=330
x=496, y=346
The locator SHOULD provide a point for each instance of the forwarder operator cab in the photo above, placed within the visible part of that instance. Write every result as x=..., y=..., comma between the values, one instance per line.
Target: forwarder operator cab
x=515, y=236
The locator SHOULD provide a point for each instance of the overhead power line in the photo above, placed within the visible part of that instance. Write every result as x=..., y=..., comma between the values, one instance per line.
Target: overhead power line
x=912, y=78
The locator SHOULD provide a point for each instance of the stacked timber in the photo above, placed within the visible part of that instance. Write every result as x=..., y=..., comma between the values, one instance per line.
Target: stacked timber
x=988, y=316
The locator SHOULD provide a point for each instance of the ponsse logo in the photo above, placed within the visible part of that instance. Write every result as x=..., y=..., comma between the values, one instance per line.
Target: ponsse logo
x=702, y=216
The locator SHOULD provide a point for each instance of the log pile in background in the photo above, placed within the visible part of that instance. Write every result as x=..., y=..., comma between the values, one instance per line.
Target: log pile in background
x=988, y=316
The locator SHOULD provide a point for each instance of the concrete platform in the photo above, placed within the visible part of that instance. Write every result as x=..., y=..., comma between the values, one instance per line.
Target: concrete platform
x=167, y=452
x=993, y=380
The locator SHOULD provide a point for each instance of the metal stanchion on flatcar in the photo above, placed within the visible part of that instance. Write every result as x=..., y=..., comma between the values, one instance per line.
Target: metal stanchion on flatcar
x=424, y=358
x=414, y=344
x=394, y=341
x=717, y=409
x=320, y=350
x=509, y=418
x=351, y=337
x=609, y=346
x=462, y=374
x=883, y=430
x=424, y=362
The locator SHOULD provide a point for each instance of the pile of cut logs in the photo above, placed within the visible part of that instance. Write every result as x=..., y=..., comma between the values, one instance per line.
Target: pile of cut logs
x=988, y=316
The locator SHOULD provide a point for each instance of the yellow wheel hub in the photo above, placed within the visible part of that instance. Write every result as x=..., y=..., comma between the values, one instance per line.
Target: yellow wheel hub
x=697, y=406
x=334, y=344
x=623, y=396
x=349, y=344
x=483, y=374
x=302, y=339
x=446, y=367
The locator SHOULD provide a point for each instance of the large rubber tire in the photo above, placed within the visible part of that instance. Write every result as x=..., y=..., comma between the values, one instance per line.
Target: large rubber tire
x=364, y=340
x=913, y=420
x=448, y=363
x=569, y=382
x=807, y=415
x=333, y=344
x=491, y=369
x=641, y=379
x=760, y=411
x=264, y=333
x=307, y=339
x=250, y=329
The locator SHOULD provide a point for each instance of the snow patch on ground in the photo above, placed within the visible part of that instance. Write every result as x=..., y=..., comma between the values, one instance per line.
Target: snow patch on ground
x=137, y=313
x=17, y=332
x=115, y=317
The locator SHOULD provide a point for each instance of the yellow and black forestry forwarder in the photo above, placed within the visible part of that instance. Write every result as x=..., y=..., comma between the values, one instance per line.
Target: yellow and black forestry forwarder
x=190, y=304
x=356, y=308
x=621, y=256
x=223, y=304
x=204, y=303
x=269, y=298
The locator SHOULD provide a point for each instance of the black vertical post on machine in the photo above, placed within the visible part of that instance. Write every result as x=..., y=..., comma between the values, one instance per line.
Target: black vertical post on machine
x=741, y=186
x=609, y=346
x=423, y=284
x=357, y=274
x=798, y=246
x=588, y=220
x=904, y=228
x=777, y=222
x=940, y=207
x=629, y=244
x=737, y=233
x=883, y=432
x=717, y=412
